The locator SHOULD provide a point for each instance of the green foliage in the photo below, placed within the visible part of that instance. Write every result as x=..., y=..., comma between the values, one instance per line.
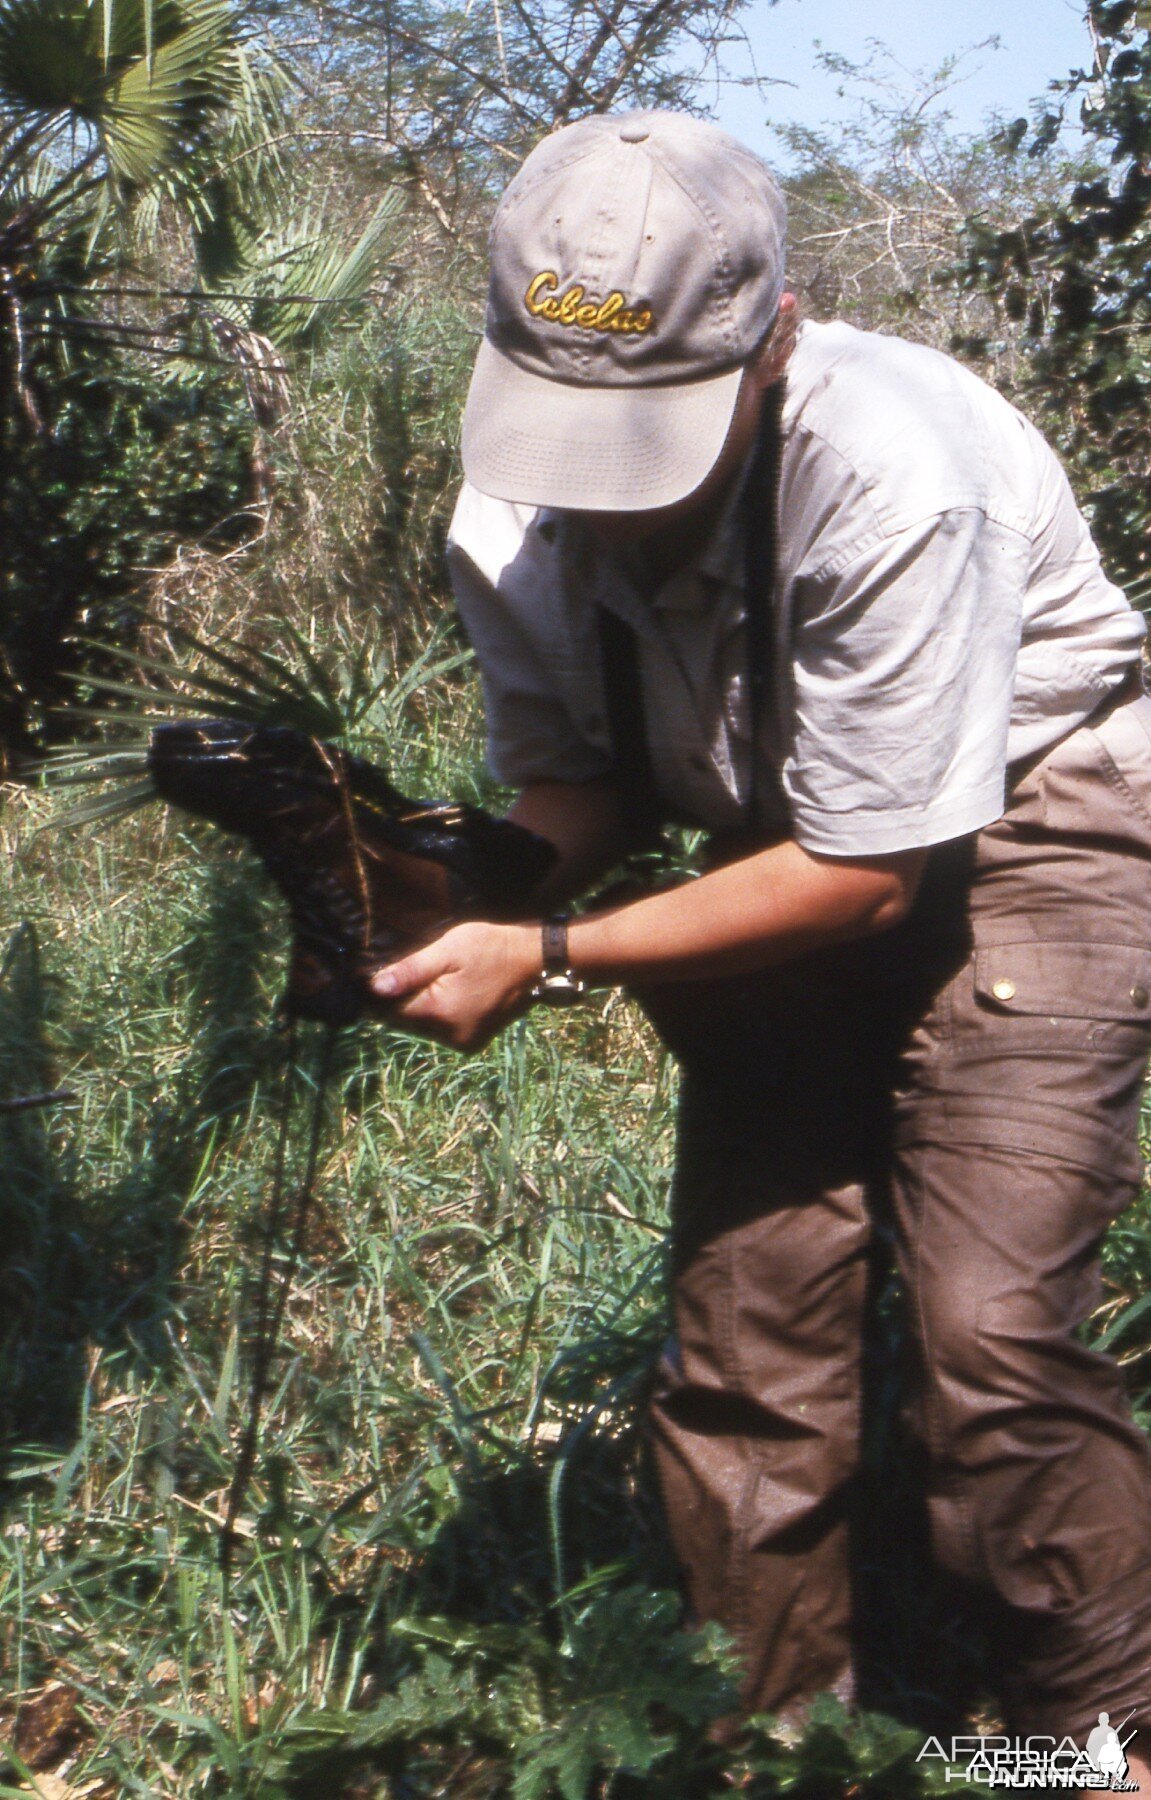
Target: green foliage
x=622, y=1692
x=353, y=696
x=127, y=429
x=104, y=463
x=104, y=108
x=1075, y=278
x=129, y=468
x=376, y=468
x=145, y=78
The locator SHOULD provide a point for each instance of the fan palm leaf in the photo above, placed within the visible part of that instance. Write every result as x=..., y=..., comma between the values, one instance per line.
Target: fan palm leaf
x=225, y=679
x=161, y=102
x=359, y=705
x=143, y=77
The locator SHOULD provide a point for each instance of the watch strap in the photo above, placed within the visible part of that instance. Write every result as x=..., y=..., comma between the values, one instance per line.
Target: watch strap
x=557, y=986
x=554, y=944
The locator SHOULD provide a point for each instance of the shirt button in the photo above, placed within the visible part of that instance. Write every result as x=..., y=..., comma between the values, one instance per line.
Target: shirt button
x=1139, y=996
x=1004, y=990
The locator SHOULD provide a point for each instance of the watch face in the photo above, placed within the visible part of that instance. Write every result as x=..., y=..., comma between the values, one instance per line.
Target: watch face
x=559, y=990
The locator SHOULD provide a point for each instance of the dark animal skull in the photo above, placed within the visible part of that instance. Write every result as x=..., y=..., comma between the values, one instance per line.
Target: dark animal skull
x=366, y=872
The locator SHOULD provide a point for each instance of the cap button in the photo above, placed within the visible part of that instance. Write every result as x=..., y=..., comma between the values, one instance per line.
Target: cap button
x=634, y=132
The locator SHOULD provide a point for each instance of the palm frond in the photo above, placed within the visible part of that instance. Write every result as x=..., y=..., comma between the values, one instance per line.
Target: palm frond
x=311, y=701
x=163, y=98
x=146, y=77
x=49, y=61
x=229, y=183
x=210, y=687
x=108, y=807
x=315, y=714
x=114, y=765
x=225, y=680
x=244, y=663
x=353, y=697
x=309, y=260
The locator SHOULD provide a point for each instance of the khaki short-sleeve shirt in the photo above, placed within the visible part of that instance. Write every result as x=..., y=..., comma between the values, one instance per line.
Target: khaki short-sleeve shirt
x=940, y=613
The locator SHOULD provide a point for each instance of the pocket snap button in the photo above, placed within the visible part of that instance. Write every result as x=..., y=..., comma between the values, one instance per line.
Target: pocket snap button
x=1004, y=990
x=1139, y=996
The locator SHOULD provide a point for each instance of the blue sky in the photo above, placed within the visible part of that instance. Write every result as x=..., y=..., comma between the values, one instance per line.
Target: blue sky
x=1039, y=41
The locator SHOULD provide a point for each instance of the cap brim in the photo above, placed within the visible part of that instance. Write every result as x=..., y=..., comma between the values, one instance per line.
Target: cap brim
x=591, y=449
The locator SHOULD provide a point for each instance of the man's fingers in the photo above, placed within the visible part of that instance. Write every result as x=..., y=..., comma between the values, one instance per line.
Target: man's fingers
x=396, y=979
x=460, y=989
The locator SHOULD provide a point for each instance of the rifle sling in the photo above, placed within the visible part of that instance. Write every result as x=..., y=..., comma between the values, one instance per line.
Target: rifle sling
x=631, y=766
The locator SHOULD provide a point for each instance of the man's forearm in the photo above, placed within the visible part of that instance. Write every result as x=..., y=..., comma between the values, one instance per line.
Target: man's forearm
x=761, y=910
x=466, y=984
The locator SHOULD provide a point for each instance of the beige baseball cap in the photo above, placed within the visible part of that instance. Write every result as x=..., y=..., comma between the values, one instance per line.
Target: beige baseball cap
x=637, y=260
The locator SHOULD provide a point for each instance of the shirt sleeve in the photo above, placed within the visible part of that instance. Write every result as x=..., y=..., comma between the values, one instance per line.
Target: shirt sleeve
x=902, y=669
x=531, y=733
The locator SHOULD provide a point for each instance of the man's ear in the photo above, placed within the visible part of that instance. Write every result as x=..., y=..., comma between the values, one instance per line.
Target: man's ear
x=775, y=354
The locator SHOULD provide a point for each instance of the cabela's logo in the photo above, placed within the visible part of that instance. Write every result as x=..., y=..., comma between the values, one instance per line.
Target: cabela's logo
x=575, y=308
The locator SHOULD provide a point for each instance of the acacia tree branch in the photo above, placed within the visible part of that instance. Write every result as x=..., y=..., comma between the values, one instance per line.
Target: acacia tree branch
x=556, y=63
x=649, y=27
x=578, y=78
x=459, y=95
x=481, y=78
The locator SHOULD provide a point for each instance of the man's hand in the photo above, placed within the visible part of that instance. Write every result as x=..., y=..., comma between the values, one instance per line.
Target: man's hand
x=461, y=989
x=464, y=987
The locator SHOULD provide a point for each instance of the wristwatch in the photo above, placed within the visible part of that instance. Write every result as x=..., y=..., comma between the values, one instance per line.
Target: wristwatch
x=557, y=986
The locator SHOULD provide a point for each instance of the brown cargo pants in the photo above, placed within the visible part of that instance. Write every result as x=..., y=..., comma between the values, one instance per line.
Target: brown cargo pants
x=976, y=1072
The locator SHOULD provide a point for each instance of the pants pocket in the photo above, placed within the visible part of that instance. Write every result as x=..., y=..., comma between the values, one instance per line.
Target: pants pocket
x=1039, y=1046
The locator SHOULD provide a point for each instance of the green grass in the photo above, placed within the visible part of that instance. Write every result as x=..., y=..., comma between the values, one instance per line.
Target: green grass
x=452, y=1578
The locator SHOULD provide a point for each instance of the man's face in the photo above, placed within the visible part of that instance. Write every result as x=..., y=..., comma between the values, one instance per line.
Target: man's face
x=622, y=530
x=689, y=520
